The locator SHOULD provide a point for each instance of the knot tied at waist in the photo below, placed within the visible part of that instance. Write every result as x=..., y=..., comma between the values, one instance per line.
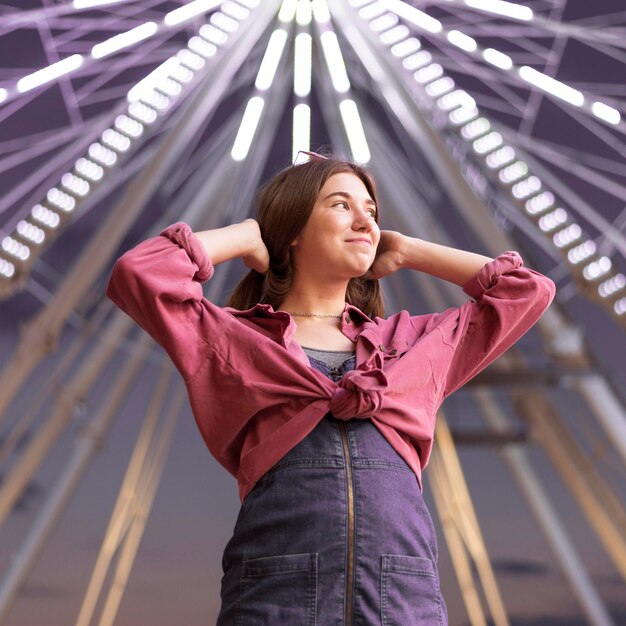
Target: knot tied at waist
x=358, y=394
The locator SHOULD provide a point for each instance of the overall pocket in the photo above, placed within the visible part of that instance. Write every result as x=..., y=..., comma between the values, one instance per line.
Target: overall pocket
x=409, y=589
x=278, y=590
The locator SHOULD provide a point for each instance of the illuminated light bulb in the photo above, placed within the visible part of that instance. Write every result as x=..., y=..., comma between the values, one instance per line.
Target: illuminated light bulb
x=413, y=15
x=302, y=65
x=462, y=115
x=181, y=74
x=439, y=87
x=271, y=58
x=15, y=248
x=384, y=22
x=462, y=41
x=540, y=203
x=320, y=11
x=45, y=216
x=526, y=188
x=513, y=172
x=30, y=232
x=553, y=220
x=475, y=128
x=428, y=73
x=301, y=131
x=156, y=100
x=169, y=87
x=394, y=35
x=101, y=154
x=189, y=11
x=124, y=40
x=247, y=128
x=552, y=86
x=142, y=112
x=202, y=47
x=567, y=236
x=61, y=200
x=376, y=9
x=606, y=113
x=612, y=285
x=47, y=74
x=354, y=130
x=190, y=59
x=454, y=99
x=118, y=142
x=497, y=58
x=213, y=35
x=620, y=306
x=419, y=59
x=500, y=7
x=406, y=47
x=235, y=10
x=7, y=268
x=287, y=11
x=75, y=184
x=223, y=22
x=598, y=268
x=304, y=13
x=335, y=62
x=146, y=85
x=128, y=126
x=581, y=252
x=88, y=169
x=500, y=157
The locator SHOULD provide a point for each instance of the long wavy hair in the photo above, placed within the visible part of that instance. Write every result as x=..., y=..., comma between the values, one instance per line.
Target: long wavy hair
x=283, y=206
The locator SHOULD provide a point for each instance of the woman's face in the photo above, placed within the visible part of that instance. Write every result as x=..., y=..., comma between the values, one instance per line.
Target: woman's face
x=341, y=236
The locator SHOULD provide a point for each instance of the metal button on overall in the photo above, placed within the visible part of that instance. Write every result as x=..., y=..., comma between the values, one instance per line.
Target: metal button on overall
x=335, y=534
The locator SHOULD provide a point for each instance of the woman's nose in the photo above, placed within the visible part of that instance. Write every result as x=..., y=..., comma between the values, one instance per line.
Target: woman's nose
x=362, y=219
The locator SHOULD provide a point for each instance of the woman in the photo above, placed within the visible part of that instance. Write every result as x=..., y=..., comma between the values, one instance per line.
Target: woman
x=323, y=409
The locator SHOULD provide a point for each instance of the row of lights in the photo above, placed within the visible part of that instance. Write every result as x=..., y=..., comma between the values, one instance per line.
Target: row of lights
x=527, y=189
x=303, y=12
x=148, y=99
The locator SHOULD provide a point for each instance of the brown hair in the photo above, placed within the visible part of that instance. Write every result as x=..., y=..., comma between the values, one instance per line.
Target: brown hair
x=283, y=206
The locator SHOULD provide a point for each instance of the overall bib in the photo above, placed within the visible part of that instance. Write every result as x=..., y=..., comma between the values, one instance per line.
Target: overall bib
x=336, y=534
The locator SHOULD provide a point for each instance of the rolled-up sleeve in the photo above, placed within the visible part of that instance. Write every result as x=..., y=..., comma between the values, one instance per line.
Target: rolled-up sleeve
x=508, y=300
x=158, y=283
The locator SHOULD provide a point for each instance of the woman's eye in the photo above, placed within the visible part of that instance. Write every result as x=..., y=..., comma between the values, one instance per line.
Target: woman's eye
x=342, y=203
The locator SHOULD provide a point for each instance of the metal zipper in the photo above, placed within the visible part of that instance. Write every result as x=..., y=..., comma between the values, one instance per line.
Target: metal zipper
x=350, y=573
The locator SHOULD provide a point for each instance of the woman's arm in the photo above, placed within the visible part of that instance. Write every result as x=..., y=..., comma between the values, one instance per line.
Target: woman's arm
x=396, y=251
x=158, y=283
x=237, y=240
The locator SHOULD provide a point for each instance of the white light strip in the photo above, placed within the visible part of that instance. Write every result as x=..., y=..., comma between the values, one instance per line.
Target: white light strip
x=145, y=87
x=606, y=113
x=247, y=128
x=551, y=86
x=461, y=40
x=188, y=11
x=123, y=40
x=497, y=58
x=302, y=65
x=335, y=62
x=354, y=129
x=304, y=13
x=301, y=133
x=287, y=11
x=271, y=59
x=49, y=73
x=320, y=11
x=3, y=95
x=508, y=9
x=413, y=15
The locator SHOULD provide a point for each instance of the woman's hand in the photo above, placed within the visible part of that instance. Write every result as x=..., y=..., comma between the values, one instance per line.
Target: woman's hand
x=389, y=254
x=256, y=257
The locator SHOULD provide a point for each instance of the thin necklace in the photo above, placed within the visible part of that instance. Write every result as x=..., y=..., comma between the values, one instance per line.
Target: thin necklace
x=314, y=315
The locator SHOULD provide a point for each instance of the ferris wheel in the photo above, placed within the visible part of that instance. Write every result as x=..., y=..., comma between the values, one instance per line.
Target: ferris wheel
x=489, y=124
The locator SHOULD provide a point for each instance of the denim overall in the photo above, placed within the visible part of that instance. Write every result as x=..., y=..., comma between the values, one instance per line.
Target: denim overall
x=335, y=534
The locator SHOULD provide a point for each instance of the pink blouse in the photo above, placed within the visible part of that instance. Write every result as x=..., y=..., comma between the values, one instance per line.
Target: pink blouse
x=252, y=391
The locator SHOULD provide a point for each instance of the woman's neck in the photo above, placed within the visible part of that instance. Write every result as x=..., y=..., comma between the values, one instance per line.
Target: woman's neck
x=315, y=299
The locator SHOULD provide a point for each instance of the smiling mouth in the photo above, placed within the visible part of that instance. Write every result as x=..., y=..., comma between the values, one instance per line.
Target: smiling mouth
x=369, y=243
